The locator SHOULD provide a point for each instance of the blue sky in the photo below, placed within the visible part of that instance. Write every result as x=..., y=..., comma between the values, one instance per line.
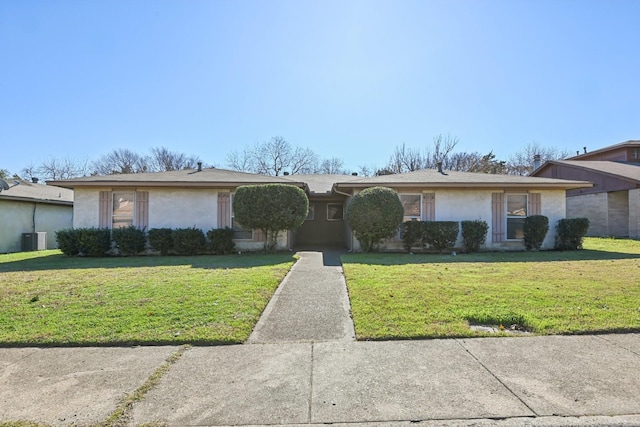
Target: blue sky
x=351, y=79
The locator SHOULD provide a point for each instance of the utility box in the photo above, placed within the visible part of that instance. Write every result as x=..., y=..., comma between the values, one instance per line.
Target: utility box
x=34, y=241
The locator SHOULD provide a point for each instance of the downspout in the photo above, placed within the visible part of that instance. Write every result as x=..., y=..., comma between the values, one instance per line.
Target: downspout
x=33, y=218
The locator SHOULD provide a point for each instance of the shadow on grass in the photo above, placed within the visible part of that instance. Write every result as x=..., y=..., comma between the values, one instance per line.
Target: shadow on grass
x=486, y=257
x=63, y=262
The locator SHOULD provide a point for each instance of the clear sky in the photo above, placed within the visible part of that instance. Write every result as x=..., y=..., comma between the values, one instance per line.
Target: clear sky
x=351, y=79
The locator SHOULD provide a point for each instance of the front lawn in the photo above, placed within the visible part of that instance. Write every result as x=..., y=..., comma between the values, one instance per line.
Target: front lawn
x=47, y=298
x=402, y=296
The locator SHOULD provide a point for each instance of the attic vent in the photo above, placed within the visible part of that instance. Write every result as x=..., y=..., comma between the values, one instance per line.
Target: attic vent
x=199, y=166
x=354, y=174
x=286, y=174
x=34, y=180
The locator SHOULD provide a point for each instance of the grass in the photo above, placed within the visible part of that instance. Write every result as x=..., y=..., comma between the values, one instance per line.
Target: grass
x=402, y=296
x=47, y=298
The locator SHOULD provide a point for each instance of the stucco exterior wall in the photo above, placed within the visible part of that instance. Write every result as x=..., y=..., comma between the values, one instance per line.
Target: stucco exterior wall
x=634, y=213
x=17, y=217
x=85, y=207
x=595, y=208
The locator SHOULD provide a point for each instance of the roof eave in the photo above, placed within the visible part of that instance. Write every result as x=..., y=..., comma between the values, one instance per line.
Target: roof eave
x=573, y=185
x=173, y=184
x=34, y=200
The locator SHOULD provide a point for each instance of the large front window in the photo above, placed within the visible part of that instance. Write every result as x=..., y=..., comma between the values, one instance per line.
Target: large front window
x=123, y=202
x=411, y=203
x=516, y=214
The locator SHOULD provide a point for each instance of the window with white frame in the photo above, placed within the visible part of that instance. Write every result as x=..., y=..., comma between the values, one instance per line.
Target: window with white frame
x=239, y=231
x=412, y=205
x=123, y=211
x=516, y=214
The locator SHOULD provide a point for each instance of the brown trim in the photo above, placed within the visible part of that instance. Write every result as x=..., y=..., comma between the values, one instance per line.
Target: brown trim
x=224, y=209
x=429, y=206
x=105, y=209
x=498, y=232
x=142, y=209
x=534, y=204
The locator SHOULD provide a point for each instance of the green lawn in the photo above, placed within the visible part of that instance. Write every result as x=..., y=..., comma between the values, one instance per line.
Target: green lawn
x=47, y=298
x=416, y=296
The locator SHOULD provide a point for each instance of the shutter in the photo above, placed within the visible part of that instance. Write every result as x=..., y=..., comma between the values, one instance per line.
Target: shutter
x=535, y=204
x=429, y=202
x=497, y=213
x=142, y=209
x=224, y=209
x=258, y=235
x=105, y=209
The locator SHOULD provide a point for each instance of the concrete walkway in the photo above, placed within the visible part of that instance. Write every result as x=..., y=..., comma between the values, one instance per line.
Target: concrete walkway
x=310, y=305
x=314, y=373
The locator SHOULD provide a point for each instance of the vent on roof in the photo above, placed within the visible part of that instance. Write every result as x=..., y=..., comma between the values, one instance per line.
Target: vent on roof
x=34, y=180
x=199, y=166
x=354, y=174
x=286, y=174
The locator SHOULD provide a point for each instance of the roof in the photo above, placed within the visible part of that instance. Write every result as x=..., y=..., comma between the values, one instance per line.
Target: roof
x=452, y=179
x=206, y=177
x=30, y=192
x=630, y=171
x=320, y=184
x=627, y=144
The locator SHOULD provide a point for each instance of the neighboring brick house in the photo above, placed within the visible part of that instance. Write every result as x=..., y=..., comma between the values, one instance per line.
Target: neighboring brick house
x=204, y=199
x=613, y=203
x=29, y=207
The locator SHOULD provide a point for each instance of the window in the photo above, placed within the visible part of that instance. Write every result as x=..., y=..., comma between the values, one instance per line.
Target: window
x=123, y=202
x=239, y=231
x=311, y=213
x=335, y=212
x=411, y=203
x=516, y=214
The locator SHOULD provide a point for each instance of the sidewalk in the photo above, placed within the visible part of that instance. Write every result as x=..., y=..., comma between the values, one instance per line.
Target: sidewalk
x=291, y=375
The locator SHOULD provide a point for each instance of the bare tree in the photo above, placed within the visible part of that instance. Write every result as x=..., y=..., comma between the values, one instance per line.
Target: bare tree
x=57, y=168
x=521, y=163
x=366, y=170
x=442, y=148
x=332, y=165
x=406, y=159
x=119, y=161
x=164, y=160
x=4, y=173
x=274, y=157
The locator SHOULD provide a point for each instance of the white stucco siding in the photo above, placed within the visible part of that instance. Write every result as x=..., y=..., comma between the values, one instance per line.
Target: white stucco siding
x=553, y=206
x=19, y=217
x=182, y=208
x=85, y=207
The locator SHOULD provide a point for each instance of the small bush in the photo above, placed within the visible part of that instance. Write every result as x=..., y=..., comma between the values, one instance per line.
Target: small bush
x=160, y=240
x=188, y=241
x=129, y=240
x=474, y=234
x=374, y=214
x=535, y=230
x=68, y=241
x=94, y=241
x=221, y=240
x=570, y=233
x=411, y=234
x=440, y=234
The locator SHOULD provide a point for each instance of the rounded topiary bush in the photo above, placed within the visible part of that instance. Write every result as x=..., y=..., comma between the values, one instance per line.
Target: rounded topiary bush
x=374, y=214
x=570, y=233
x=474, y=234
x=535, y=230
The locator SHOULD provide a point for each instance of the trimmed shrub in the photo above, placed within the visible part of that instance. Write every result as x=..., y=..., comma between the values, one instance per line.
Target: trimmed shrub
x=570, y=233
x=474, y=234
x=221, y=240
x=68, y=241
x=271, y=208
x=129, y=240
x=94, y=241
x=374, y=214
x=535, y=230
x=411, y=234
x=160, y=240
x=188, y=241
x=440, y=234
